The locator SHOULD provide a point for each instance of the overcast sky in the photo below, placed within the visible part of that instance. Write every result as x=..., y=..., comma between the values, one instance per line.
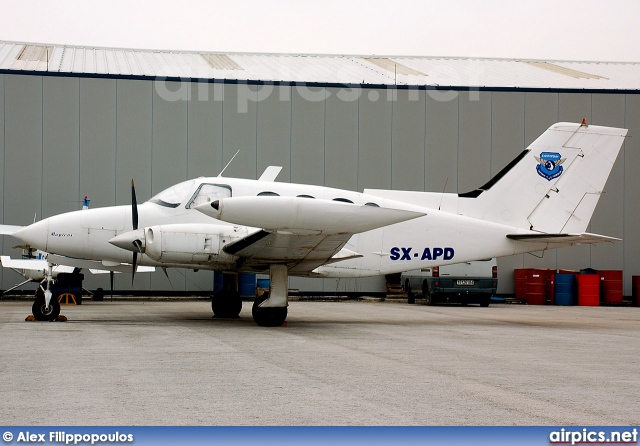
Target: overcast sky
x=595, y=30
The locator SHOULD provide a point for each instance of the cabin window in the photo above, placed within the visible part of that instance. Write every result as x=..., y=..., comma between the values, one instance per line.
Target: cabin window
x=305, y=196
x=372, y=204
x=268, y=194
x=344, y=200
x=173, y=196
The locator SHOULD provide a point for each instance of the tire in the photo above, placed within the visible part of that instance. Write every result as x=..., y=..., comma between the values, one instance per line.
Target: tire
x=426, y=294
x=485, y=300
x=270, y=316
x=39, y=311
x=407, y=288
x=98, y=295
x=226, y=304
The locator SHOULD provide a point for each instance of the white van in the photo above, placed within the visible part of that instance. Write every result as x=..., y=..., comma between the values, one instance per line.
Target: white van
x=468, y=282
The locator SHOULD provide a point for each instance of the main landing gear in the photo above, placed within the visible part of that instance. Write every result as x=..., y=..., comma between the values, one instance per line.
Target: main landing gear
x=269, y=309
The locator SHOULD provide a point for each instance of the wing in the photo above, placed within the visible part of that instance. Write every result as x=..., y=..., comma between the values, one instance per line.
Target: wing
x=9, y=229
x=301, y=232
x=95, y=266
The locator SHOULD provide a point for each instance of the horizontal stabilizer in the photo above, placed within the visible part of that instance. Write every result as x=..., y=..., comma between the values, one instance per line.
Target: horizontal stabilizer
x=562, y=239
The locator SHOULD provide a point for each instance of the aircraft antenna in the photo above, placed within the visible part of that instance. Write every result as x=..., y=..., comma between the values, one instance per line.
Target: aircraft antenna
x=225, y=167
x=443, y=189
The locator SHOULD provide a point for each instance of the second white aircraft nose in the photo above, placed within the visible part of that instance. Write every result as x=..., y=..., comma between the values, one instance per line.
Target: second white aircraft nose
x=35, y=235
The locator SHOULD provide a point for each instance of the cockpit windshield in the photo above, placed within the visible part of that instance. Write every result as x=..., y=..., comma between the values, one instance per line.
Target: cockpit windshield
x=175, y=195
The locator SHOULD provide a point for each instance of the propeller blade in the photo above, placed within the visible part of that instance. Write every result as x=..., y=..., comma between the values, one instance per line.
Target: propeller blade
x=111, y=283
x=134, y=267
x=134, y=218
x=134, y=206
x=164, y=270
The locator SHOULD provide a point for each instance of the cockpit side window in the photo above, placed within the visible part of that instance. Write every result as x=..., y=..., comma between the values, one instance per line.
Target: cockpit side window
x=207, y=193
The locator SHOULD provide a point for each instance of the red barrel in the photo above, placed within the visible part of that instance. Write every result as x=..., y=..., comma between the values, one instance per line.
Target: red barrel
x=536, y=288
x=588, y=289
x=611, y=286
x=635, y=289
x=520, y=278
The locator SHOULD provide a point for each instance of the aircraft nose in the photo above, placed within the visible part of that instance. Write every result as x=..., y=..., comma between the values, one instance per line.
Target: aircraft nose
x=35, y=235
x=129, y=240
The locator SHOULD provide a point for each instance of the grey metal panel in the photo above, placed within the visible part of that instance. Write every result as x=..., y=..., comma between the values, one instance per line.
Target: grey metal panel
x=133, y=156
x=23, y=149
x=572, y=107
x=631, y=241
x=474, y=147
x=608, y=218
x=22, y=157
x=60, y=145
x=441, y=142
x=307, y=135
x=98, y=150
x=374, y=141
x=134, y=136
x=168, y=155
x=274, y=132
x=541, y=111
x=341, y=139
x=408, y=140
x=239, y=130
x=98, y=140
x=205, y=130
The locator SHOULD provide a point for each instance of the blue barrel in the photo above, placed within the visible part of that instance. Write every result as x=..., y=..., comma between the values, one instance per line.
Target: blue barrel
x=263, y=283
x=563, y=292
x=217, y=281
x=247, y=285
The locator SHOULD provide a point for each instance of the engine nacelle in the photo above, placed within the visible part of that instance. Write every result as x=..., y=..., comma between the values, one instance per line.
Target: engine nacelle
x=191, y=243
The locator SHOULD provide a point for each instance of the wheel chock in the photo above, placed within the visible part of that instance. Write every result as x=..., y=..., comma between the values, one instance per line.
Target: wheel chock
x=61, y=318
x=30, y=318
x=68, y=298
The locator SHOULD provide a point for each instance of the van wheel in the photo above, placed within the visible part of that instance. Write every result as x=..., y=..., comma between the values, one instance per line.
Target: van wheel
x=428, y=298
x=485, y=300
x=407, y=288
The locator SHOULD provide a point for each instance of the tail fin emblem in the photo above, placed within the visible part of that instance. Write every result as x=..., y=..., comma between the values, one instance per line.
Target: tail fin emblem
x=550, y=165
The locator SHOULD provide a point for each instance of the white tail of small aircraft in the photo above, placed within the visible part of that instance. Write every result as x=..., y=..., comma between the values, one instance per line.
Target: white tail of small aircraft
x=543, y=199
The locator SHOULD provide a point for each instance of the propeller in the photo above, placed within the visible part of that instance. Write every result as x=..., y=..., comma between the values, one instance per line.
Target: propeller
x=134, y=218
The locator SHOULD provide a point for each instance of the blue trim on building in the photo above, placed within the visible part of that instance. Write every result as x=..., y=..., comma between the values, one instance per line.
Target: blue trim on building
x=318, y=84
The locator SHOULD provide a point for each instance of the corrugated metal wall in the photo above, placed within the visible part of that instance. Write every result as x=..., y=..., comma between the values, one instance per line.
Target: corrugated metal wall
x=65, y=137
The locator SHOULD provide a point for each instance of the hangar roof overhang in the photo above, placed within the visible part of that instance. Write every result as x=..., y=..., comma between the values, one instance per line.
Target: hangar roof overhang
x=400, y=71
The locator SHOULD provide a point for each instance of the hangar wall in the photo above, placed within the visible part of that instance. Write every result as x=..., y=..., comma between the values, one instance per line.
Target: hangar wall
x=65, y=137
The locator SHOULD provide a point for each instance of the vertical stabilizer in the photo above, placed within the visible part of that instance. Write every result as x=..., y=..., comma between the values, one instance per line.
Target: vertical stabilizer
x=553, y=186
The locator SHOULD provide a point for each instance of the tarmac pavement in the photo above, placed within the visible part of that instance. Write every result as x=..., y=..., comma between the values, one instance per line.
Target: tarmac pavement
x=141, y=362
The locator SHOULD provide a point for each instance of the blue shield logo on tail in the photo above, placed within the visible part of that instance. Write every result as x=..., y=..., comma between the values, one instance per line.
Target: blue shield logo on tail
x=550, y=165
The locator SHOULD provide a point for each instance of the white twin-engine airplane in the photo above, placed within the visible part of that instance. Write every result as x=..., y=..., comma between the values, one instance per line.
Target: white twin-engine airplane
x=543, y=199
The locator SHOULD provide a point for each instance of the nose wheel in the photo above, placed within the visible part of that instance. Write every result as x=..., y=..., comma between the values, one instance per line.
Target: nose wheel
x=41, y=311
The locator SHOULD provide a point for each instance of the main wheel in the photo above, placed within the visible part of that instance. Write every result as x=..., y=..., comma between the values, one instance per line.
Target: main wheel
x=226, y=303
x=268, y=316
x=39, y=310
